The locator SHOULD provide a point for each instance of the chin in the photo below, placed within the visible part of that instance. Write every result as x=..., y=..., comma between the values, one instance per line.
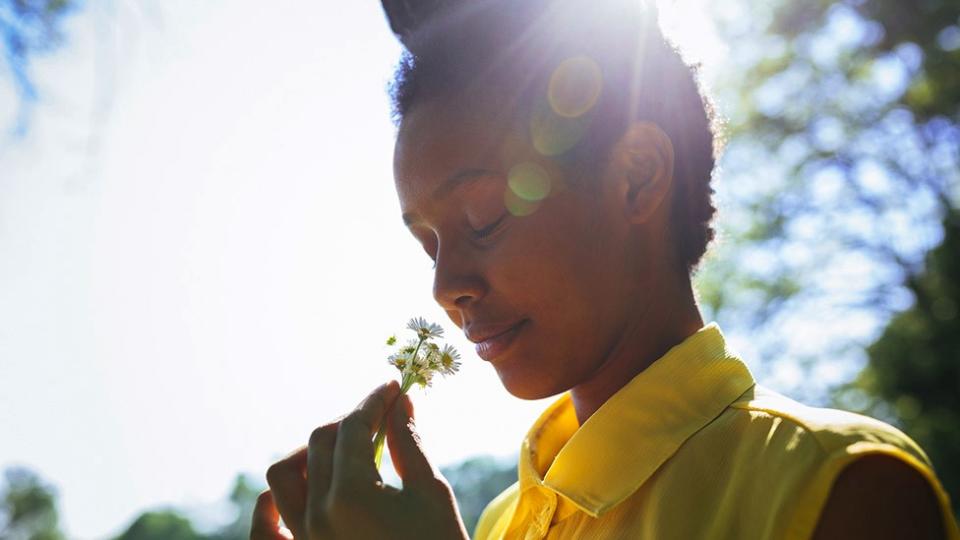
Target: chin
x=529, y=388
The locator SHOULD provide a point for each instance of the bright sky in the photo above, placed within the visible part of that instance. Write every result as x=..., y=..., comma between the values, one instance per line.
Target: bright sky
x=201, y=254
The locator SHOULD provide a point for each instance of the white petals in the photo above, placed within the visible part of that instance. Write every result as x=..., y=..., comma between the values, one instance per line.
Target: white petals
x=424, y=329
x=449, y=360
x=420, y=359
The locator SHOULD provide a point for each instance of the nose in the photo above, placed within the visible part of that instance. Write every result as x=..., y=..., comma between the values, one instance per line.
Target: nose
x=457, y=279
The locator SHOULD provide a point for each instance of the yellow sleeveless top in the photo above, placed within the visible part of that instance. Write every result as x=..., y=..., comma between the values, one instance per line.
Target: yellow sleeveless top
x=691, y=447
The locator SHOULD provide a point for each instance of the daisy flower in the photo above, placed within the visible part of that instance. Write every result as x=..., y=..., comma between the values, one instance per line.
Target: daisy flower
x=424, y=329
x=449, y=360
x=418, y=360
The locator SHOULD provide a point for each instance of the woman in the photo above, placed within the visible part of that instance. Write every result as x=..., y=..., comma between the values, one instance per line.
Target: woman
x=554, y=160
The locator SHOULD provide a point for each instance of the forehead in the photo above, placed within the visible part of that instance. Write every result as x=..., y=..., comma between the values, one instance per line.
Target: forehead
x=438, y=139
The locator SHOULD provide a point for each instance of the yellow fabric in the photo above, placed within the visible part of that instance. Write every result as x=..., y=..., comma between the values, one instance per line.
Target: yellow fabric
x=691, y=447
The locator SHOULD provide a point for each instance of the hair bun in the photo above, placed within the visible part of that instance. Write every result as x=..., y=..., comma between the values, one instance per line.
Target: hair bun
x=411, y=20
x=428, y=28
x=406, y=16
x=425, y=26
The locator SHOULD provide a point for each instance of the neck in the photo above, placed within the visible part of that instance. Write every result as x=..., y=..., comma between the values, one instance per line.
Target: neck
x=649, y=334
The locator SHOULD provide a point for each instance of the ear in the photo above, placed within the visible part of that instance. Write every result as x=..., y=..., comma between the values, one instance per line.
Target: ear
x=642, y=167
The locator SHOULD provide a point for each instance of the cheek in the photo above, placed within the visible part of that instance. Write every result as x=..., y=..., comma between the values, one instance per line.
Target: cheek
x=559, y=268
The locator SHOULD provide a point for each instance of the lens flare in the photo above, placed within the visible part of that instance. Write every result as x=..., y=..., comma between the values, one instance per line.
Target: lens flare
x=575, y=86
x=529, y=181
x=553, y=134
x=527, y=184
x=517, y=206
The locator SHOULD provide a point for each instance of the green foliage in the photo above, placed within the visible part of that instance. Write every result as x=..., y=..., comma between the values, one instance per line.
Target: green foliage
x=933, y=25
x=913, y=375
x=28, y=508
x=170, y=524
x=243, y=498
x=842, y=173
x=843, y=153
x=476, y=482
x=28, y=505
x=161, y=525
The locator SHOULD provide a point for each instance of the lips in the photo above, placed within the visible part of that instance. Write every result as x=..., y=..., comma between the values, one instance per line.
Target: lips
x=492, y=340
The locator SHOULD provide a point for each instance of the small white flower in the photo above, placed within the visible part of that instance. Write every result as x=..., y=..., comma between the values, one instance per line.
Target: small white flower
x=422, y=361
x=418, y=361
x=449, y=360
x=398, y=361
x=423, y=377
x=424, y=329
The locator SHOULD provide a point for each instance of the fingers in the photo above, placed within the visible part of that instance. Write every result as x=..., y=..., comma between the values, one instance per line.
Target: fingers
x=288, y=485
x=319, y=469
x=265, y=525
x=353, y=451
x=338, y=454
x=405, y=449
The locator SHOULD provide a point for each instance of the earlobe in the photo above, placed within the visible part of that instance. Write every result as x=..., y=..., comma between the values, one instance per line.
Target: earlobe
x=644, y=160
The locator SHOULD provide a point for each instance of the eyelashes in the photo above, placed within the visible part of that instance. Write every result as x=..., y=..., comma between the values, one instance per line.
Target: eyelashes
x=489, y=229
x=478, y=234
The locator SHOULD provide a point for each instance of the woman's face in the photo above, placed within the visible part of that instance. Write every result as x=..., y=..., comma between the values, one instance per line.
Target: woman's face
x=557, y=285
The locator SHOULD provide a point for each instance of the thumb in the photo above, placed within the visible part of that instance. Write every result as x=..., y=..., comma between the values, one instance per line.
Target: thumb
x=406, y=450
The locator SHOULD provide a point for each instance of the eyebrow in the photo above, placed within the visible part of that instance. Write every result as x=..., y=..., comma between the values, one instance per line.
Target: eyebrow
x=464, y=176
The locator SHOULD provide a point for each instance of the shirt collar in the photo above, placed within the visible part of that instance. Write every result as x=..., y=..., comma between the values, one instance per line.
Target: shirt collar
x=625, y=441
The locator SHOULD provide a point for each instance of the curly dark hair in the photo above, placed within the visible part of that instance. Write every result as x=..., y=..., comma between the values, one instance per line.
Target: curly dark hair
x=511, y=48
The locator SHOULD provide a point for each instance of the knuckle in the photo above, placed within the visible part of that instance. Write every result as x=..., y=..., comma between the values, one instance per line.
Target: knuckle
x=318, y=436
x=275, y=472
x=265, y=497
x=352, y=421
x=378, y=400
x=437, y=486
x=441, y=485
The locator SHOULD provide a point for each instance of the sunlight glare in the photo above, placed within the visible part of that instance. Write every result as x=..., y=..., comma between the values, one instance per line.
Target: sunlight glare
x=689, y=25
x=575, y=86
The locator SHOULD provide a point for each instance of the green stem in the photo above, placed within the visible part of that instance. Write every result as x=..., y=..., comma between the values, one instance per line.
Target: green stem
x=378, y=441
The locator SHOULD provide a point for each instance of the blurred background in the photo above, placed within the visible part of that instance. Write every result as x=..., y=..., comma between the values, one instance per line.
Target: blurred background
x=201, y=253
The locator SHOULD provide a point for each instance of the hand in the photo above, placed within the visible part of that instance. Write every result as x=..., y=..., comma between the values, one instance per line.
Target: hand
x=330, y=489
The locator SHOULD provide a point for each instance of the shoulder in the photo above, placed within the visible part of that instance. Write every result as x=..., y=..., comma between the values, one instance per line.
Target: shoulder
x=841, y=474
x=497, y=514
x=879, y=496
x=825, y=431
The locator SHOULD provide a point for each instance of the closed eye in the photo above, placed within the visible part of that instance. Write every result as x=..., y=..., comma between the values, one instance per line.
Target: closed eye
x=489, y=229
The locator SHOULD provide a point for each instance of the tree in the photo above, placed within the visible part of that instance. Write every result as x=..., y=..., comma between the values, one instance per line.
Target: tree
x=28, y=509
x=476, y=482
x=843, y=155
x=171, y=524
x=28, y=28
x=243, y=497
x=161, y=525
x=841, y=177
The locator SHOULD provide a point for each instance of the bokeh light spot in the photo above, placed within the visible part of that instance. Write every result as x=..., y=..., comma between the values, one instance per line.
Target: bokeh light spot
x=529, y=181
x=553, y=134
x=518, y=206
x=575, y=86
